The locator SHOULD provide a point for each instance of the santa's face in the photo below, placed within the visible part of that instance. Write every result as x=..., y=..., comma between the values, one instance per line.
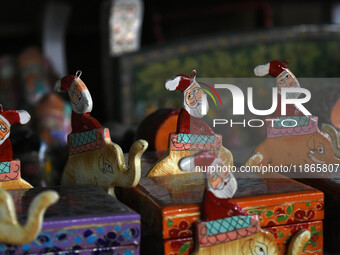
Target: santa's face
x=193, y=100
x=216, y=179
x=4, y=129
x=80, y=97
x=286, y=80
x=221, y=183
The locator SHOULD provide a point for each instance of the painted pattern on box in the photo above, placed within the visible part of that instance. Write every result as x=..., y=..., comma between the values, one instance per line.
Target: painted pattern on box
x=85, y=219
x=278, y=202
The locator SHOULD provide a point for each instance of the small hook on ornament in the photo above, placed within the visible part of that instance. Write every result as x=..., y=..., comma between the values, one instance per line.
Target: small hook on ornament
x=193, y=74
x=78, y=74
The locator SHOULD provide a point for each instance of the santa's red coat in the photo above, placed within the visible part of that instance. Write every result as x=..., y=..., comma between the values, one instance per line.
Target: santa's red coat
x=83, y=122
x=6, y=152
x=291, y=109
x=188, y=124
x=214, y=208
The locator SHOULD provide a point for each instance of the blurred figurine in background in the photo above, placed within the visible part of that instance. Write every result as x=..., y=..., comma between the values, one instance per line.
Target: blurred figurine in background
x=34, y=74
x=9, y=86
x=284, y=79
x=53, y=124
x=10, y=169
x=26, y=83
x=53, y=120
x=294, y=138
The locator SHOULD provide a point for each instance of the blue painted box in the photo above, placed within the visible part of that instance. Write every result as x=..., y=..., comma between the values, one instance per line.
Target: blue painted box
x=85, y=220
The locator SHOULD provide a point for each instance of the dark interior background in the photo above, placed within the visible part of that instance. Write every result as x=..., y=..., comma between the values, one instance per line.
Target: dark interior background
x=163, y=22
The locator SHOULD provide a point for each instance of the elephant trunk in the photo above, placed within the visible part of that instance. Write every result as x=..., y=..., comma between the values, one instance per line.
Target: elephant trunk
x=36, y=213
x=131, y=174
x=298, y=241
x=331, y=131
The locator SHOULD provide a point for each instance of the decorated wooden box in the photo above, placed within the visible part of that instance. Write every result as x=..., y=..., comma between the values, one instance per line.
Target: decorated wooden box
x=85, y=220
x=169, y=205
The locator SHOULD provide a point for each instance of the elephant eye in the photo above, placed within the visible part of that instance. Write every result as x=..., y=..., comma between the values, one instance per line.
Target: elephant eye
x=321, y=150
x=259, y=250
x=108, y=167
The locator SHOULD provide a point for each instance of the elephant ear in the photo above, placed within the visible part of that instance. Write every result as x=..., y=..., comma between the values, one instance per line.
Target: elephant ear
x=247, y=247
x=332, y=132
x=101, y=163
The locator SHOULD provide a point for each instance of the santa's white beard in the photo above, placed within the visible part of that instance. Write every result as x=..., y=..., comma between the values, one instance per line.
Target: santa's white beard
x=196, y=109
x=293, y=95
x=84, y=104
x=228, y=190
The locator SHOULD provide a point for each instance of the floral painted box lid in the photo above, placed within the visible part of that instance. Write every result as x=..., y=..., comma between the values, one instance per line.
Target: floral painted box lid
x=85, y=220
x=170, y=204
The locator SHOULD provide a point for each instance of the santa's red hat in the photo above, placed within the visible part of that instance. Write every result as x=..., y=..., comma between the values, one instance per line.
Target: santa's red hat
x=14, y=116
x=203, y=159
x=181, y=82
x=274, y=68
x=65, y=83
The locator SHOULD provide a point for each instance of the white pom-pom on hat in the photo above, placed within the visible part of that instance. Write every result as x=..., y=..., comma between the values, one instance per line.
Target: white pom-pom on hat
x=173, y=83
x=262, y=70
x=24, y=116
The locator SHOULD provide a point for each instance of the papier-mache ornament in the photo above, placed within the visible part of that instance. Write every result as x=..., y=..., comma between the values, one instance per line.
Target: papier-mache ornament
x=93, y=157
x=192, y=135
x=284, y=79
x=294, y=138
x=224, y=227
x=10, y=176
x=221, y=185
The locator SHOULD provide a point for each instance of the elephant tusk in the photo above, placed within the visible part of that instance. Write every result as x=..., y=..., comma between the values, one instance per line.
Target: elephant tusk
x=298, y=241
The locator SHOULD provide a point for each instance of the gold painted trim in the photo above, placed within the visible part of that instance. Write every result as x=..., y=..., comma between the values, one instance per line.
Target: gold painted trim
x=181, y=215
x=245, y=208
x=90, y=225
x=286, y=203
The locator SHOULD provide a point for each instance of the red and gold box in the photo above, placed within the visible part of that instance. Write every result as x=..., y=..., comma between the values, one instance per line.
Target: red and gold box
x=169, y=205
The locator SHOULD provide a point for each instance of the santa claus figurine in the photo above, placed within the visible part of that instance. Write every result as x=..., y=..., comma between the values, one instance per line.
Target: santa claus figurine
x=195, y=105
x=81, y=103
x=284, y=79
x=192, y=135
x=221, y=185
x=7, y=118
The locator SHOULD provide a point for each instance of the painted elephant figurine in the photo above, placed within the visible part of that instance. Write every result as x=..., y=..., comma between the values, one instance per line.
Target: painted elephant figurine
x=93, y=157
x=320, y=147
x=261, y=243
x=105, y=166
x=10, y=230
